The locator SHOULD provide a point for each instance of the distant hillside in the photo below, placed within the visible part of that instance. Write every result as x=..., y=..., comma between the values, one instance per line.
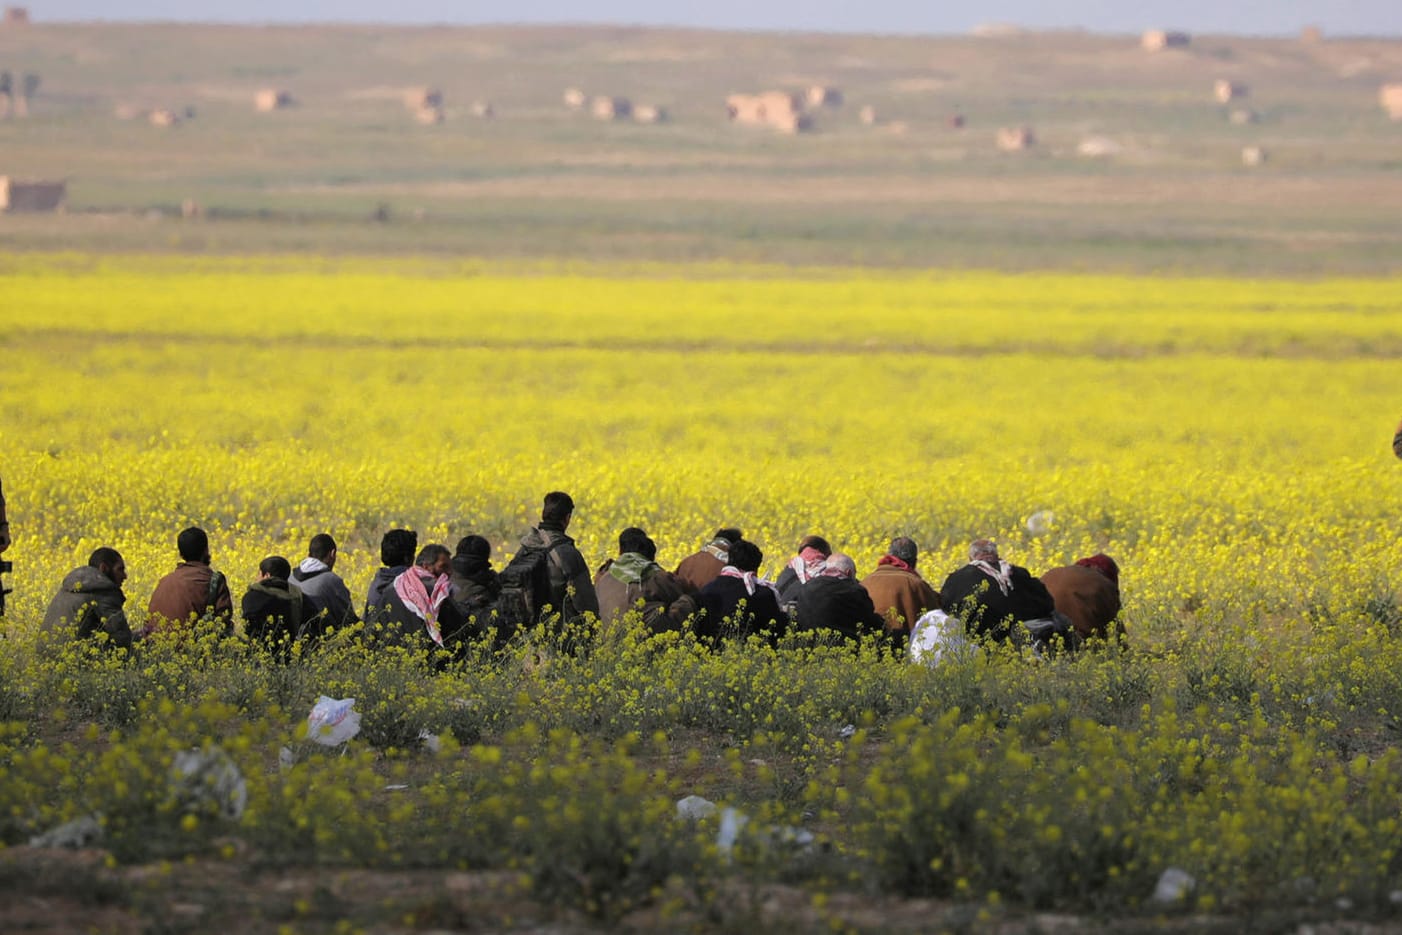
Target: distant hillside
x=1134, y=163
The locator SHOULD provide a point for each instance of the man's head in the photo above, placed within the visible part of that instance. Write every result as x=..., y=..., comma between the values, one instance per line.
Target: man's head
x=1103, y=564
x=729, y=534
x=193, y=545
x=109, y=563
x=634, y=539
x=435, y=558
x=398, y=547
x=903, y=548
x=558, y=509
x=817, y=543
x=274, y=566
x=983, y=550
x=323, y=547
x=745, y=555
x=839, y=566
x=476, y=548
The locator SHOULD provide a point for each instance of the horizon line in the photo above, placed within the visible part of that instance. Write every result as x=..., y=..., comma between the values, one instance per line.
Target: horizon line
x=996, y=30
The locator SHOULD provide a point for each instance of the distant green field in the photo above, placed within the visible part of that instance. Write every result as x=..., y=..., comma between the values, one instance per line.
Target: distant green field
x=540, y=180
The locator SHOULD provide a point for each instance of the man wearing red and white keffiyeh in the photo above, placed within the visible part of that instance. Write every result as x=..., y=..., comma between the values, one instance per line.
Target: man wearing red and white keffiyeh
x=808, y=564
x=416, y=608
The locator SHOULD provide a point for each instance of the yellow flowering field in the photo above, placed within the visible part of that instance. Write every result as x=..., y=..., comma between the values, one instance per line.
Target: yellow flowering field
x=1226, y=441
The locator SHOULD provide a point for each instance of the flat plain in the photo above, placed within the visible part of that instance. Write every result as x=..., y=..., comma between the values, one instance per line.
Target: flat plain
x=540, y=180
x=862, y=331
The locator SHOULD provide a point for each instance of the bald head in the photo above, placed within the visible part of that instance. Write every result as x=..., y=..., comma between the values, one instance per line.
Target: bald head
x=839, y=565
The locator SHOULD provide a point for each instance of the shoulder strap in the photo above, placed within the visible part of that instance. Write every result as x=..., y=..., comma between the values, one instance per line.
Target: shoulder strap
x=216, y=579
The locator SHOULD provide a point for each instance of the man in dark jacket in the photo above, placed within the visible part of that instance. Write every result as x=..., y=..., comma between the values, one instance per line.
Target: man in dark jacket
x=634, y=577
x=1396, y=449
x=897, y=590
x=273, y=608
x=192, y=590
x=475, y=590
x=327, y=599
x=701, y=568
x=397, y=550
x=813, y=552
x=571, y=587
x=835, y=601
x=417, y=608
x=4, y=523
x=992, y=596
x=738, y=602
x=90, y=601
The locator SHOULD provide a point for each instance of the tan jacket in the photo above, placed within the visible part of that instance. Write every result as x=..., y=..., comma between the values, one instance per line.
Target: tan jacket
x=900, y=596
x=1090, y=599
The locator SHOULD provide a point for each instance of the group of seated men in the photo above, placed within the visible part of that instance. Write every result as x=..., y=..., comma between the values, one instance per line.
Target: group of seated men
x=436, y=598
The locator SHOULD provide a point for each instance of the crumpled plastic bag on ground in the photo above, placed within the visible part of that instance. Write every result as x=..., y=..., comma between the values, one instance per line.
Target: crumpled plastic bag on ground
x=78, y=833
x=733, y=822
x=333, y=721
x=1174, y=886
x=695, y=808
x=203, y=778
x=938, y=637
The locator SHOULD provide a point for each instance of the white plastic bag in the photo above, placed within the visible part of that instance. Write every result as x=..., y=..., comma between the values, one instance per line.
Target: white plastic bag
x=204, y=778
x=333, y=721
x=937, y=637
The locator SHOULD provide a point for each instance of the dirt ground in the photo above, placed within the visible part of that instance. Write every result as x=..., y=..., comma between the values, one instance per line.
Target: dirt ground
x=60, y=891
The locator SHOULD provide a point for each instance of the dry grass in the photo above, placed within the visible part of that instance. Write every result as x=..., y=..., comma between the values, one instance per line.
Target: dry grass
x=1332, y=177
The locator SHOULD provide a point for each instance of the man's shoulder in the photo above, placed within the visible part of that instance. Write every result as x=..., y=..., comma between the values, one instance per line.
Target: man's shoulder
x=892, y=573
x=187, y=572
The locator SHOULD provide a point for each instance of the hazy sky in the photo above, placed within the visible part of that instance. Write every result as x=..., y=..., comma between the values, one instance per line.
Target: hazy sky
x=1338, y=17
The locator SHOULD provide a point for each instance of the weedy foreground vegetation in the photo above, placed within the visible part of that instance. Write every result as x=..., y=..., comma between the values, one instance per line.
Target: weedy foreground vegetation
x=1226, y=441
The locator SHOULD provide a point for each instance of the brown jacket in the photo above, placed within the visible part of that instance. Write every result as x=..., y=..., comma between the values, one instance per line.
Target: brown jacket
x=186, y=593
x=697, y=571
x=666, y=605
x=1090, y=599
x=900, y=596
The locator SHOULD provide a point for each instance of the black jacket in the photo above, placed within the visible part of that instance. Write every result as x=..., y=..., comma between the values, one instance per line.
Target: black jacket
x=975, y=598
x=839, y=604
x=719, y=614
x=382, y=580
x=397, y=625
x=273, y=612
x=476, y=588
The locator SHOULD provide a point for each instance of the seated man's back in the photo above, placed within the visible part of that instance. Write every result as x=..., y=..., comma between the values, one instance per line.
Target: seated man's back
x=835, y=601
x=324, y=594
x=990, y=595
x=738, y=602
x=192, y=590
x=90, y=601
x=273, y=609
x=1088, y=592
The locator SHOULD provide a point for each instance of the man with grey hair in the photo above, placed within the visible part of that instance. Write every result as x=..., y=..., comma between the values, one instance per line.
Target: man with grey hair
x=897, y=591
x=993, y=596
x=834, y=600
